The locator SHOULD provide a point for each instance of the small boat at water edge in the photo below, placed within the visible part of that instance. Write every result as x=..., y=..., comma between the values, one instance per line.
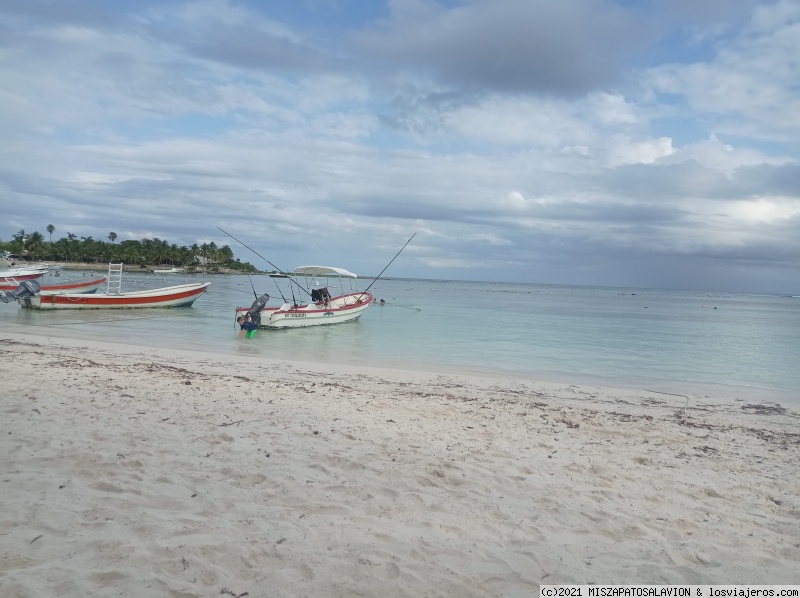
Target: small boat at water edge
x=12, y=276
x=167, y=271
x=178, y=296
x=11, y=272
x=322, y=309
x=29, y=295
x=81, y=286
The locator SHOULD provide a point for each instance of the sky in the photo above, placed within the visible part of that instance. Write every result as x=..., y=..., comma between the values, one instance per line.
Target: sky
x=637, y=143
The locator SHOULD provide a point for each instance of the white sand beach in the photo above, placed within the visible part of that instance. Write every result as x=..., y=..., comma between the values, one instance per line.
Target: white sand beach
x=129, y=471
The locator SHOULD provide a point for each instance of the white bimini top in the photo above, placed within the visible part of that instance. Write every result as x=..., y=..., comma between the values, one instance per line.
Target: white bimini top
x=323, y=271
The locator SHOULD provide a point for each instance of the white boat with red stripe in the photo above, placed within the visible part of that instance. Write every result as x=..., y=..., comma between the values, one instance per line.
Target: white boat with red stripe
x=323, y=308
x=30, y=296
x=80, y=286
x=178, y=296
x=11, y=272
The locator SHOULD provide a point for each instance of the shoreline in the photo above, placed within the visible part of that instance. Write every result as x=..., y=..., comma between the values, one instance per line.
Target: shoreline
x=680, y=393
x=103, y=268
x=164, y=472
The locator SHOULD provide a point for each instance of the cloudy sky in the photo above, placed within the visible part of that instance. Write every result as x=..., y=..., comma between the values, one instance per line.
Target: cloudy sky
x=649, y=143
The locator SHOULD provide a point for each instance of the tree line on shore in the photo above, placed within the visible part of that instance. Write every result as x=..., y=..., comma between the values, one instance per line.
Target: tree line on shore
x=154, y=251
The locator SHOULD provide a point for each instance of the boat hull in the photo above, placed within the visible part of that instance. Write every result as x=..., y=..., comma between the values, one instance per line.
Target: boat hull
x=84, y=286
x=343, y=308
x=12, y=278
x=177, y=296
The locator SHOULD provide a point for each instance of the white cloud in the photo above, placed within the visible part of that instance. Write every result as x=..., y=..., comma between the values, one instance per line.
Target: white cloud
x=641, y=152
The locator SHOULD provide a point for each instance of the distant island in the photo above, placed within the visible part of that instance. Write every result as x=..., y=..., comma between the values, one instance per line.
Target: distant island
x=87, y=252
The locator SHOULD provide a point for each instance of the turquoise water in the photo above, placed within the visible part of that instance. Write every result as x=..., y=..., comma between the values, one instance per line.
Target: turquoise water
x=716, y=344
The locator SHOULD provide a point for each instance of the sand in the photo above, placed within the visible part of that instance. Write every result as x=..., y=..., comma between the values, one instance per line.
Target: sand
x=148, y=472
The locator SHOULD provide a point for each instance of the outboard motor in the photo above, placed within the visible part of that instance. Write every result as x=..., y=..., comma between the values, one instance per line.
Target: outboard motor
x=254, y=313
x=26, y=289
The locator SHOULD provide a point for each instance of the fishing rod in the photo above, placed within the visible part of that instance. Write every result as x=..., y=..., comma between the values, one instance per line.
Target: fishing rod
x=280, y=291
x=270, y=263
x=253, y=287
x=387, y=265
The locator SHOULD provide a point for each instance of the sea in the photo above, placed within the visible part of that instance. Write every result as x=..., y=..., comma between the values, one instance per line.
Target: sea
x=699, y=344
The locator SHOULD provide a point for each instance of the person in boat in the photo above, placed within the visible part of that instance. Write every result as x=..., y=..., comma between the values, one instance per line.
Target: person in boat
x=247, y=328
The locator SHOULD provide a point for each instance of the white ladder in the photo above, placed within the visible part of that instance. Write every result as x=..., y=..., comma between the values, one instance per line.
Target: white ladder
x=114, y=279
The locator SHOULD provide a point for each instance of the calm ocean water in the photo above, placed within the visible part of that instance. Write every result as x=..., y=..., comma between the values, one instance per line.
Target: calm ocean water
x=717, y=344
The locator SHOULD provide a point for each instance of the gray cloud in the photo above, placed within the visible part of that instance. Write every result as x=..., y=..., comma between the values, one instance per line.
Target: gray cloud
x=767, y=179
x=650, y=182
x=511, y=45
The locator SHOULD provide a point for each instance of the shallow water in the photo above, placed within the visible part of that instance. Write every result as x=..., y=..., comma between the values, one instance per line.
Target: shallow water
x=717, y=344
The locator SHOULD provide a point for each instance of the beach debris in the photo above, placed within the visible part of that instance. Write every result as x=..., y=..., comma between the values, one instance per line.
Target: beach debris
x=232, y=593
x=763, y=409
x=40, y=535
x=708, y=450
x=628, y=417
x=230, y=423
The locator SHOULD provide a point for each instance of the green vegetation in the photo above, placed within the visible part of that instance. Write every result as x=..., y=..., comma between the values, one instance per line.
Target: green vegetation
x=145, y=252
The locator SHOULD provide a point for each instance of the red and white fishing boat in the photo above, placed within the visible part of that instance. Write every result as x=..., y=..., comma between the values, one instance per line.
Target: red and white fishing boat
x=178, y=296
x=11, y=276
x=183, y=295
x=81, y=286
x=11, y=273
x=322, y=309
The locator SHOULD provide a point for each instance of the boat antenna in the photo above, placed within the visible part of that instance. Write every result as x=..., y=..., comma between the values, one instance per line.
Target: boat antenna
x=269, y=262
x=387, y=265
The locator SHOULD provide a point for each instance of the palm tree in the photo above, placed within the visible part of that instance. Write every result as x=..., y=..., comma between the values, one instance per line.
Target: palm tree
x=226, y=253
x=112, y=236
x=130, y=251
x=35, y=244
x=72, y=246
x=18, y=244
x=51, y=229
x=60, y=249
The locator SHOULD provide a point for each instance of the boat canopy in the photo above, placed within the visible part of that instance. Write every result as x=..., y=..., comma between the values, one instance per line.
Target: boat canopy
x=323, y=271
